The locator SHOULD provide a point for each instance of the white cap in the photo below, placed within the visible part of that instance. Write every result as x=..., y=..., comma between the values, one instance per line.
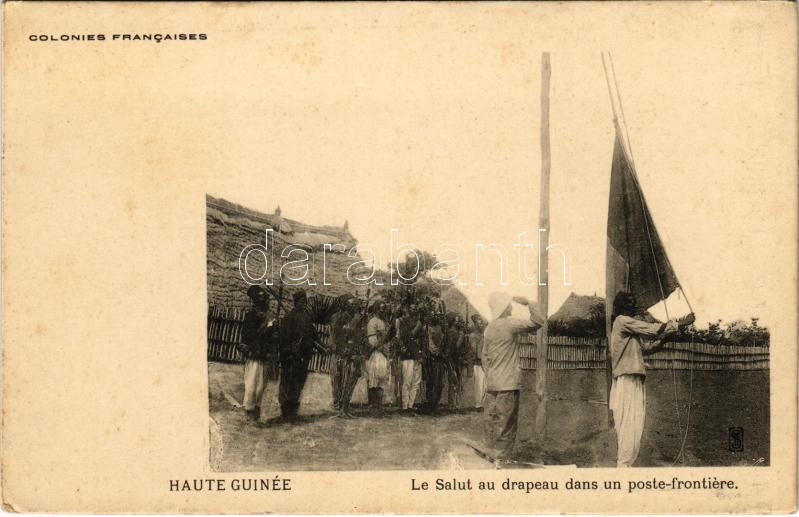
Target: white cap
x=498, y=302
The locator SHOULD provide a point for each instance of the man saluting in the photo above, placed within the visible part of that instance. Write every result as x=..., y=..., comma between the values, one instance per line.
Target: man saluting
x=503, y=372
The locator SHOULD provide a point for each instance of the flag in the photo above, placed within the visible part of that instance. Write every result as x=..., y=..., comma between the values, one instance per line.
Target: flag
x=635, y=258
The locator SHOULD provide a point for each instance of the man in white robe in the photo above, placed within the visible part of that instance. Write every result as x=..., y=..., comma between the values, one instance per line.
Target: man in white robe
x=628, y=392
x=378, y=370
x=476, y=344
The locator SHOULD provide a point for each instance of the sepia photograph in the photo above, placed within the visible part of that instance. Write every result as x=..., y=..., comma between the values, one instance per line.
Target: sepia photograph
x=323, y=357
x=399, y=257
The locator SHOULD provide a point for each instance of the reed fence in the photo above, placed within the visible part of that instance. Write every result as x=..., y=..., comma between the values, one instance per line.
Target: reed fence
x=224, y=333
x=564, y=353
x=570, y=353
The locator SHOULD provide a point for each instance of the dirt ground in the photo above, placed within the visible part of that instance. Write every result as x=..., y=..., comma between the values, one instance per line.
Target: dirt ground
x=319, y=442
x=577, y=431
x=577, y=419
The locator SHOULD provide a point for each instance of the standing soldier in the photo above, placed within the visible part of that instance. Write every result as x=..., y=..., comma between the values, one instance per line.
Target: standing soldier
x=297, y=337
x=410, y=355
x=254, y=348
x=455, y=340
x=503, y=372
x=434, y=363
x=393, y=353
x=357, y=330
x=462, y=352
x=339, y=334
x=351, y=355
x=378, y=369
x=476, y=356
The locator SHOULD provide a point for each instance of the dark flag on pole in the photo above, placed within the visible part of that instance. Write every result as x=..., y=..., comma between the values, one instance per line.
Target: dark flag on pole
x=635, y=259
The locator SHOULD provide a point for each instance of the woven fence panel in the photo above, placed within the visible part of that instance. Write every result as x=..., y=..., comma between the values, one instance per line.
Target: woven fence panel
x=224, y=333
x=564, y=352
x=576, y=353
x=320, y=362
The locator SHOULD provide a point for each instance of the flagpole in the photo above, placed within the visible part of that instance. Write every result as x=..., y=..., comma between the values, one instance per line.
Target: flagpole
x=543, y=263
x=608, y=300
x=621, y=109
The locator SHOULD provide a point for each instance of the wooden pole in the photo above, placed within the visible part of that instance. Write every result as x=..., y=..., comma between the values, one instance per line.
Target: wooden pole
x=609, y=295
x=543, y=254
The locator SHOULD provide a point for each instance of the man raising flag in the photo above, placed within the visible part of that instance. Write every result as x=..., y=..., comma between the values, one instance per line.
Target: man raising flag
x=638, y=275
x=627, y=393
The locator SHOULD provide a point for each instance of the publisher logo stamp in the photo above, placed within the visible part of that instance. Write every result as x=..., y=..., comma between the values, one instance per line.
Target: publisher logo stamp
x=736, y=439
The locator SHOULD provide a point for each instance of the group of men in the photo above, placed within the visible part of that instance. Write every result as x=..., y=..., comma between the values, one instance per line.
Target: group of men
x=292, y=342
x=393, y=348
x=397, y=348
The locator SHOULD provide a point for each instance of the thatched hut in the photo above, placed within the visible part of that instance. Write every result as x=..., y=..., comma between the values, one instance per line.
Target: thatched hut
x=231, y=228
x=579, y=316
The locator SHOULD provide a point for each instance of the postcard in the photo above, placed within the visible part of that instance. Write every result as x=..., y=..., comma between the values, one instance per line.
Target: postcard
x=425, y=258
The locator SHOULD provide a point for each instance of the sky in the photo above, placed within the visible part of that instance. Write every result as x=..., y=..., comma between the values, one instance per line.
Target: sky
x=439, y=138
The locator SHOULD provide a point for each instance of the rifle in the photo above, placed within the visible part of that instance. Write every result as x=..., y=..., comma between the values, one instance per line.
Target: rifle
x=466, y=324
x=466, y=342
x=278, y=296
x=397, y=328
x=442, y=309
x=277, y=312
x=366, y=305
x=264, y=326
x=279, y=302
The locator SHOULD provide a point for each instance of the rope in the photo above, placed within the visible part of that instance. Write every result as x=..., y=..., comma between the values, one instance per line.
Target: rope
x=688, y=410
x=676, y=404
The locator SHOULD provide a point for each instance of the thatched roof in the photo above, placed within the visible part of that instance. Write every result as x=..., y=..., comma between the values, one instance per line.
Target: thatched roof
x=456, y=301
x=232, y=227
x=293, y=232
x=578, y=307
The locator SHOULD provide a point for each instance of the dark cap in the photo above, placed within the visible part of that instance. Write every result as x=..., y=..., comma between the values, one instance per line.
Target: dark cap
x=254, y=290
x=299, y=296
